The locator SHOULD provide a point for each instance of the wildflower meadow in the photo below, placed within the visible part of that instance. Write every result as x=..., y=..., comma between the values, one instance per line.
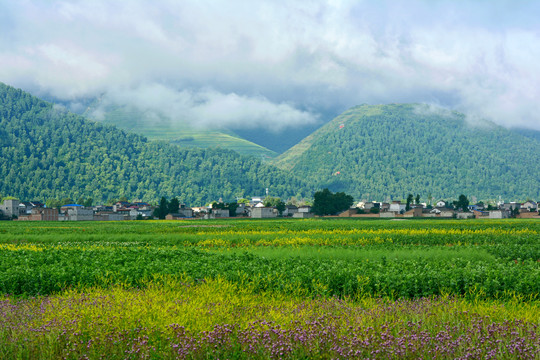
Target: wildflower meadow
x=296, y=289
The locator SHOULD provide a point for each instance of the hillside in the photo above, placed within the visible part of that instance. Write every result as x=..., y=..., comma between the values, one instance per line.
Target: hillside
x=179, y=134
x=388, y=151
x=47, y=152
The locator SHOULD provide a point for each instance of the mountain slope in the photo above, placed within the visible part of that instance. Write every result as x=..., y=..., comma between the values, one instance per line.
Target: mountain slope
x=388, y=151
x=46, y=152
x=180, y=134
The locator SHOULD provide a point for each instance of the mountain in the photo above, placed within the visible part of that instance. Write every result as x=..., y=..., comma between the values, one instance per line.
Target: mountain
x=48, y=152
x=160, y=128
x=389, y=151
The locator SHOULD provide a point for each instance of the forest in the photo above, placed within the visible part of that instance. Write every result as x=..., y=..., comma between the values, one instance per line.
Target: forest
x=383, y=152
x=47, y=152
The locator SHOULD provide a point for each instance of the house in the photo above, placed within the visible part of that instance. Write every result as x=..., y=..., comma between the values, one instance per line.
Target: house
x=108, y=216
x=397, y=207
x=499, y=214
x=304, y=209
x=26, y=207
x=440, y=204
x=349, y=212
x=256, y=200
x=217, y=213
x=370, y=205
x=241, y=209
x=510, y=206
x=182, y=213
x=443, y=212
x=303, y=215
x=41, y=214
x=263, y=212
x=464, y=215
x=290, y=210
x=10, y=208
x=481, y=214
x=414, y=212
x=77, y=212
x=428, y=213
x=529, y=206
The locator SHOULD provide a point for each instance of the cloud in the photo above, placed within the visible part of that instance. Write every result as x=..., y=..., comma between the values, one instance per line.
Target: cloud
x=286, y=63
x=205, y=108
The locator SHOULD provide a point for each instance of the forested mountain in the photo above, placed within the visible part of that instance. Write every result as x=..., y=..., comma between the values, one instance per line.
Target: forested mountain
x=47, y=152
x=388, y=151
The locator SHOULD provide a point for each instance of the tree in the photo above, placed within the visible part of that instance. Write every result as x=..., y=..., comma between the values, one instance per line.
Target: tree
x=53, y=204
x=417, y=200
x=327, y=203
x=161, y=211
x=409, y=201
x=232, y=208
x=275, y=202
x=66, y=201
x=173, y=206
x=462, y=203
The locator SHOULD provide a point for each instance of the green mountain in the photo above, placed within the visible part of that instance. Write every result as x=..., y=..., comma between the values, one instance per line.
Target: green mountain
x=159, y=128
x=47, y=152
x=389, y=151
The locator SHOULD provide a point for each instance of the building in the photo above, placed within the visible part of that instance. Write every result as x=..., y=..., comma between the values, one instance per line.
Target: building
x=499, y=214
x=303, y=215
x=304, y=209
x=414, y=212
x=529, y=205
x=77, y=212
x=397, y=207
x=290, y=210
x=41, y=214
x=464, y=215
x=263, y=212
x=217, y=213
x=10, y=208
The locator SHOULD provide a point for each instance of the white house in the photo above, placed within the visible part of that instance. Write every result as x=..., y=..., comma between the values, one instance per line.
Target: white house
x=397, y=207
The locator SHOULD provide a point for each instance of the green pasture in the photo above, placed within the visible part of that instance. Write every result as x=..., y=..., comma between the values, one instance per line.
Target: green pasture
x=316, y=257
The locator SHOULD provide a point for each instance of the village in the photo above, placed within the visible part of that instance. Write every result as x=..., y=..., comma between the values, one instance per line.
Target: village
x=13, y=209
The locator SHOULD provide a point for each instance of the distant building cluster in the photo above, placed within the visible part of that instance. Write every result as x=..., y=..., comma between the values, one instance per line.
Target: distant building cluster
x=122, y=210
x=36, y=211
x=442, y=209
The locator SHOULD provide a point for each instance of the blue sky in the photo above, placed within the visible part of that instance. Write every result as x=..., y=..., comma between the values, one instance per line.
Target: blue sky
x=277, y=65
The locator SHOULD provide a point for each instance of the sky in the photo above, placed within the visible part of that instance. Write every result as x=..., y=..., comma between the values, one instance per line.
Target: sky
x=276, y=64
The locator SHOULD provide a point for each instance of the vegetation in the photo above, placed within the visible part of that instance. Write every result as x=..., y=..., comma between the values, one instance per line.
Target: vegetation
x=385, y=152
x=326, y=288
x=48, y=153
x=406, y=259
x=327, y=203
x=180, y=134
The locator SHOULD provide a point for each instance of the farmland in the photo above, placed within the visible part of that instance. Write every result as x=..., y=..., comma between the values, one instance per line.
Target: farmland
x=326, y=288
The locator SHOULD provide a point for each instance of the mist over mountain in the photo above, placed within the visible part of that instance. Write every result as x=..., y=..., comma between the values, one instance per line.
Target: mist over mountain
x=277, y=67
x=48, y=152
x=388, y=151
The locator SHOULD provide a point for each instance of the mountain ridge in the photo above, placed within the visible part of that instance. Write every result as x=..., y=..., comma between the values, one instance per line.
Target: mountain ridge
x=48, y=152
x=388, y=151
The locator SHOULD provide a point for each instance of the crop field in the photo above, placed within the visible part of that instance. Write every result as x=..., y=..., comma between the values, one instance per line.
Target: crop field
x=299, y=289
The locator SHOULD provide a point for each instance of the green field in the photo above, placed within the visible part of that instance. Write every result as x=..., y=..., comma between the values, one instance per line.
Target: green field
x=323, y=288
x=182, y=134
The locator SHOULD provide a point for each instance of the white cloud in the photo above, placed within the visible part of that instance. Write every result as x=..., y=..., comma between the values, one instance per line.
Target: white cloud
x=205, y=108
x=276, y=59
